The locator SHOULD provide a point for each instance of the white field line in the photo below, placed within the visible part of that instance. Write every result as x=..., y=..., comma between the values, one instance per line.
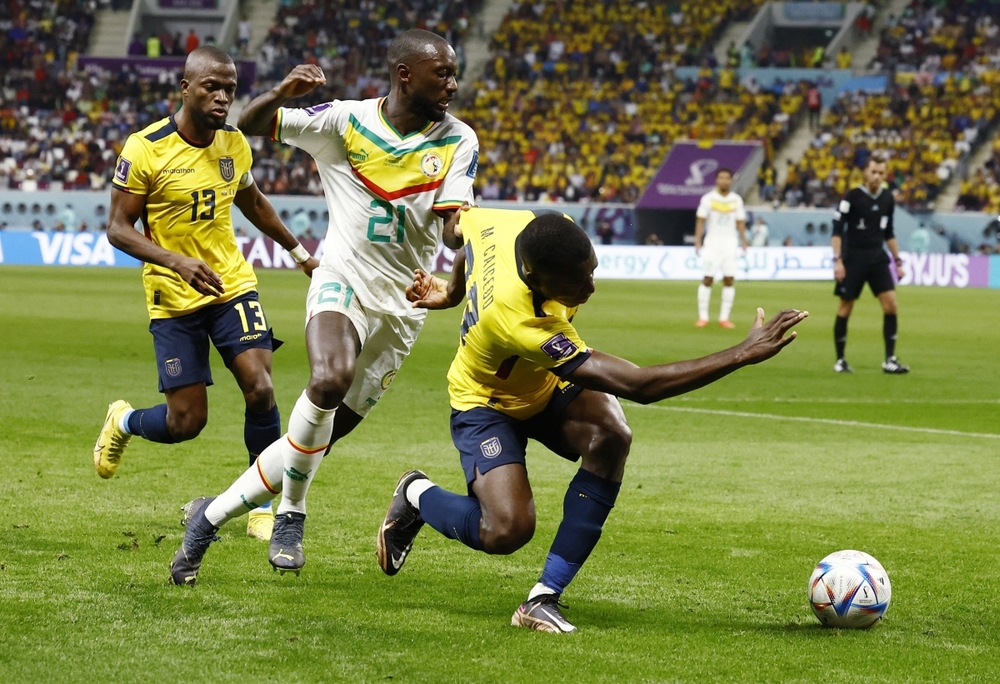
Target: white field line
x=824, y=421
x=834, y=400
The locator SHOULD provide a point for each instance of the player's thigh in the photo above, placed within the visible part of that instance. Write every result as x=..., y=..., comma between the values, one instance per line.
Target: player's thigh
x=487, y=439
x=594, y=425
x=336, y=325
x=880, y=281
x=728, y=261
x=389, y=342
x=855, y=275
x=181, y=345
x=187, y=407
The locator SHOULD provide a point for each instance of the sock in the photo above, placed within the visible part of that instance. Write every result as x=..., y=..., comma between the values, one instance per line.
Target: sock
x=416, y=488
x=586, y=506
x=259, y=431
x=728, y=295
x=151, y=424
x=123, y=422
x=260, y=483
x=453, y=515
x=840, y=335
x=889, y=333
x=704, y=297
x=540, y=589
x=310, y=429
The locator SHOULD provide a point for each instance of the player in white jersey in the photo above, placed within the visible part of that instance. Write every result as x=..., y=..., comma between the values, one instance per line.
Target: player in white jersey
x=395, y=172
x=722, y=224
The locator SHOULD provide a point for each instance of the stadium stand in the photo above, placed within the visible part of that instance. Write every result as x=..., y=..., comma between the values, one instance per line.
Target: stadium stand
x=981, y=190
x=942, y=35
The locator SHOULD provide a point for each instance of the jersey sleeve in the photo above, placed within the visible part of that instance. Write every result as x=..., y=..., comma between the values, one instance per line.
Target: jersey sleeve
x=246, y=180
x=703, y=207
x=457, y=185
x=890, y=230
x=840, y=215
x=741, y=210
x=552, y=343
x=311, y=129
x=133, y=172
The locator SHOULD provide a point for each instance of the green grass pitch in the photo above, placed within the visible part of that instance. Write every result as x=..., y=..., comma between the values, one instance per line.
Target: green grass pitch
x=731, y=494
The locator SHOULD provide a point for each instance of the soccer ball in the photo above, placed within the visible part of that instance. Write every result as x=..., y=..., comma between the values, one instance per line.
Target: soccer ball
x=849, y=589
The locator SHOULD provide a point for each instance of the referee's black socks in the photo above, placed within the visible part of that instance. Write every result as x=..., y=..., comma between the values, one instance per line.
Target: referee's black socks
x=889, y=333
x=840, y=335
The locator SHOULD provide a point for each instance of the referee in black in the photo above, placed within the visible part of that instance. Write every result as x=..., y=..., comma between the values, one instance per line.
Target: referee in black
x=861, y=224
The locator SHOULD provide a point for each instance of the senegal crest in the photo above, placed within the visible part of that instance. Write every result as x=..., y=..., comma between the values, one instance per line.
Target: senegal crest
x=431, y=165
x=227, y=168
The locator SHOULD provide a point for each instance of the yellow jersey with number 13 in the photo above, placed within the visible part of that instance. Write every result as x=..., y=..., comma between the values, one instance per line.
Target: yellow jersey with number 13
x=515, y=345
x=189, y=193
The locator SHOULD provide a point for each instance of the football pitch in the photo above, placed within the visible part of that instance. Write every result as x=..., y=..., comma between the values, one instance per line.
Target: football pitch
x=731, y=495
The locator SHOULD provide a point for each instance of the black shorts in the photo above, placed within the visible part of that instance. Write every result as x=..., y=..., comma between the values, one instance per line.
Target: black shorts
x=870, y=267
x=181, y=343
x=487, y=438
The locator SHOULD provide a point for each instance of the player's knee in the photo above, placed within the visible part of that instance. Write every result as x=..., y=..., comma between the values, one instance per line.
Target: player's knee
x=331, y=381
x=260, y=397
x=508, y=534
x=613, y=443
x=186, y=425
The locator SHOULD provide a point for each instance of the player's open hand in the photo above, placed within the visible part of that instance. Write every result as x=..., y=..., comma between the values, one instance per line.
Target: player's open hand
x=839, y=272
x=198, y=275
x=301, y=80
x=767, y=339
x=428, y=291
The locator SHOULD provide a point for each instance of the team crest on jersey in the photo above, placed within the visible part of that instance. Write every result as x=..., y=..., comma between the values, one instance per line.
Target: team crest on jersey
x=431, y=165
x=387, y=379
x=173, y=367
x=121, y=173
x=559, y=347
x=491, y=448
x=227, y=168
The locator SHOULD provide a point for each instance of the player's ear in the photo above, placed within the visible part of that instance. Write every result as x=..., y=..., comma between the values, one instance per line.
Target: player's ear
x=402, y=73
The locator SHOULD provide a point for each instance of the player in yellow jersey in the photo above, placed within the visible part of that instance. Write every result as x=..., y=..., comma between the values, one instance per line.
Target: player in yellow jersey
x=522, y=371
x=395, y=171
x=180, y=177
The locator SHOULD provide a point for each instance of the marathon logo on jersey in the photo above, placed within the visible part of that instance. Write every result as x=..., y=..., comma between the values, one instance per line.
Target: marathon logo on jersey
x=121, y=173
x=559, y=347
x=491, y=448
x=474, y=166
x=316, y=109
x=173, y=367
x=227, y=168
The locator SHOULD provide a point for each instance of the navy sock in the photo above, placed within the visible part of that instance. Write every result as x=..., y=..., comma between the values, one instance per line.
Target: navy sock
x=840, y=335
x=261, y=430
x=889, y=333
x=586, y=506
x=151, y=424
x=453, y=515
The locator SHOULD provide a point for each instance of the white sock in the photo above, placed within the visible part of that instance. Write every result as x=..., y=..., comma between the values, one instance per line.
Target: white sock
x=704, y=297
x=123, y=421
x=258, y=484
x=415, y=489
x=728, y=295
x=540, y=589
x=303, y=447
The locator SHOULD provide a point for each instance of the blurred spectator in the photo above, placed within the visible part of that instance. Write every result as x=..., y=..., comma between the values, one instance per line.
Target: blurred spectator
x=153, y=46
x=605, y=233
x=759, y=232
x=136, y=48
x=191, y=42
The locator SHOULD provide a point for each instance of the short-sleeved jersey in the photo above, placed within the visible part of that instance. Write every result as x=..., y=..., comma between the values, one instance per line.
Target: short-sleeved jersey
x=515, y=345
x=721, y=212
x=189, y=192
x=864, y=221
x=382, y=190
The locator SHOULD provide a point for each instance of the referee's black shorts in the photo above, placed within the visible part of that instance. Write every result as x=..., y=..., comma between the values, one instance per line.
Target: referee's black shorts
x=869, y=266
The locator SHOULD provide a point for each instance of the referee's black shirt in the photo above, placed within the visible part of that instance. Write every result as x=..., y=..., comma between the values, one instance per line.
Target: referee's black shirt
x=864, y=221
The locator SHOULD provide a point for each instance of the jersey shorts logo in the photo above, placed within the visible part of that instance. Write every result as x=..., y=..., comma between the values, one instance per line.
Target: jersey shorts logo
x=173, y=367
x=121, y=173
x=474, y=166
x=387, y=379
x=491, y=448
x=559, y=347
x=227, y=168
x=431, y=165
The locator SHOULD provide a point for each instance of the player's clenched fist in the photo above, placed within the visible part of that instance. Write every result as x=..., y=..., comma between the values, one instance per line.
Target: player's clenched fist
x=301, y=80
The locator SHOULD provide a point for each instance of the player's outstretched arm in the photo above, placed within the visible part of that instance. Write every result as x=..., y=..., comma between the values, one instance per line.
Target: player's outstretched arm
x=614, y=375
x=125, y=210
x=256, y=118
x=258, y=209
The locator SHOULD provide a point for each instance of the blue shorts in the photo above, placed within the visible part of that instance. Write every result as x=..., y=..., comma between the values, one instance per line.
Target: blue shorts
x=487, y=438
x=181, y=343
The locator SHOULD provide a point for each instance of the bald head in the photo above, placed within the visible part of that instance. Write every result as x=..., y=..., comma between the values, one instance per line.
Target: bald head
x=204, y=58
x=413, y=46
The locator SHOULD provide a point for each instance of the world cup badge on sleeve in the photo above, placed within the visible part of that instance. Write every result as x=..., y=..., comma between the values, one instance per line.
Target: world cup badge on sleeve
x=227, y=168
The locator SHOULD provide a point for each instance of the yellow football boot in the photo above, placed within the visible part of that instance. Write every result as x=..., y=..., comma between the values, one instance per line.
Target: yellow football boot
x=260, y=524
x=112, y=441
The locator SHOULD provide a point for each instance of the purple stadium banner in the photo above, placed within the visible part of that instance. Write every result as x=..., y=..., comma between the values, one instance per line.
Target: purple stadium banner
x=188, y=4
x=151, y=67
x=689, y=172
x=945, y=270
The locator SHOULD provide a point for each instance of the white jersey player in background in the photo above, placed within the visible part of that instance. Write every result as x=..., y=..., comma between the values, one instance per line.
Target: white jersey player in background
x=395, y=172
x=721, y=222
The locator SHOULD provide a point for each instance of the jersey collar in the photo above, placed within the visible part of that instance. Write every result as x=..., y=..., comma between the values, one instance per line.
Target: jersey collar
x=385, y=122
x=187, y=140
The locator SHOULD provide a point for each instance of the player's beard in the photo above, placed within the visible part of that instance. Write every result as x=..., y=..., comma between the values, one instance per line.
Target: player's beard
x=425, y=107
x=207, y=121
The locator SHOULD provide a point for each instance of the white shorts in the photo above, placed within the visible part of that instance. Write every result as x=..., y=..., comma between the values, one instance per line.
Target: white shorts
x=720, y=257
x=386, y=339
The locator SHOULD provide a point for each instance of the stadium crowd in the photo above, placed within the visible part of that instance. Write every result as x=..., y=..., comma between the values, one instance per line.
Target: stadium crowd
x=980, y=190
